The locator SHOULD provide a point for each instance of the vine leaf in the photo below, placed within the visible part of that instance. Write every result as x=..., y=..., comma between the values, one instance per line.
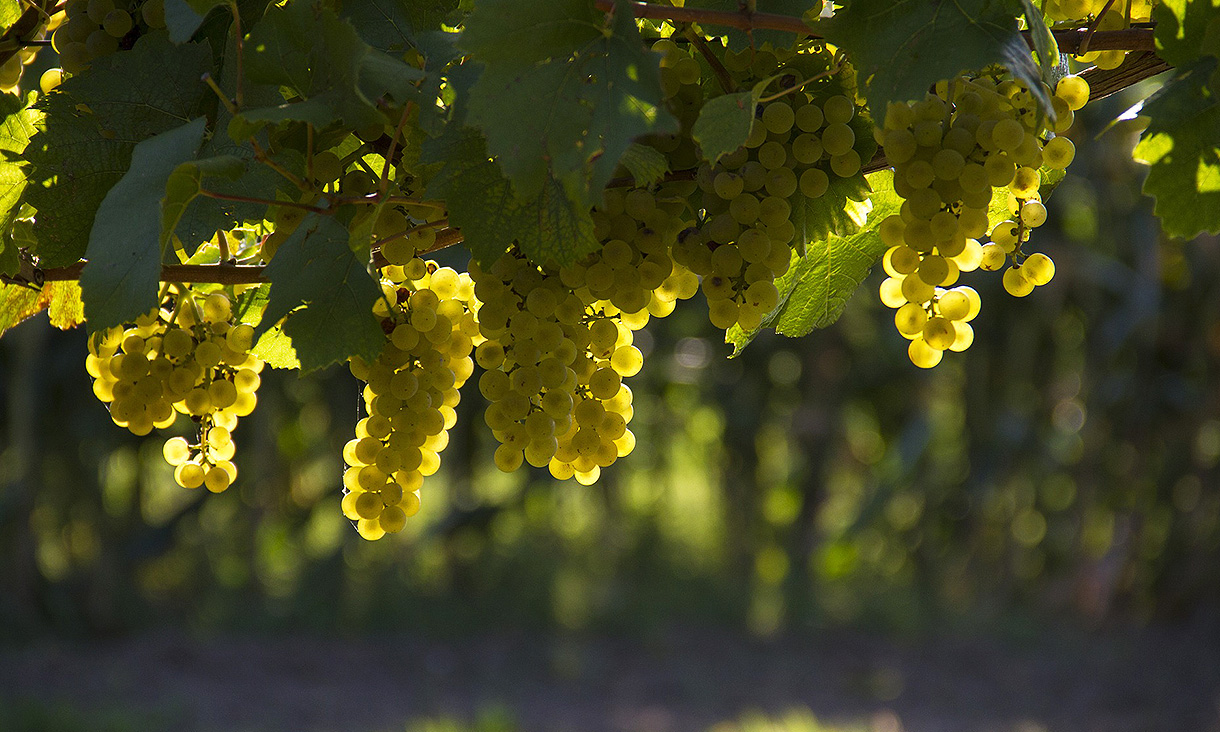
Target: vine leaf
x=561, y=96
x=1186, y=31
x=393, y=26
x=327, y=294
x=647, y=165
x=16, y=304
x=306, y=48
x=483, y=204
x=184, y=185
x=816, y=287
x=119, y=282
x=1180, y=146
x=1045, y=44
x=739, y=39
x=91, y=125
x=15, y=132
x=902, y=47
x=724, y=123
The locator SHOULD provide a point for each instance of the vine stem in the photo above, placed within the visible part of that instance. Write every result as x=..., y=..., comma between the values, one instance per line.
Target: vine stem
x=261, y=201
x=1132, y=39
x=233, y=274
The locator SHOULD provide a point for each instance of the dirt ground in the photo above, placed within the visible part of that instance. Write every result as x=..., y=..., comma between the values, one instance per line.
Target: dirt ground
x=1115, y=681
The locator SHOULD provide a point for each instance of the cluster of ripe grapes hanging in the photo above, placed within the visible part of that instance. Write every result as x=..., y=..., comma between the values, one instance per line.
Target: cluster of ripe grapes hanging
x=554, y=344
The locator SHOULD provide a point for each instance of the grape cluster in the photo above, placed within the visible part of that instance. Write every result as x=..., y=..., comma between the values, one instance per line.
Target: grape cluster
x=951, y=152
x=96, y=28
x=1117, y=16
x=410, y=393
x=189, y=357
x=559, y=342
x=799, y=144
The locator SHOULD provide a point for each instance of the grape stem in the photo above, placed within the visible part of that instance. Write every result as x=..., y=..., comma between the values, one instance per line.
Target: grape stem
x=783, y=92
x=1069, y=39
x=383, y=187
x=1092, y=29
x=722, y=74
x=261, y=201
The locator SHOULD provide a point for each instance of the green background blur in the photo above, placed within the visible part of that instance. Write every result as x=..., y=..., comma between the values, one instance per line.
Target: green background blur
x=1065, y=466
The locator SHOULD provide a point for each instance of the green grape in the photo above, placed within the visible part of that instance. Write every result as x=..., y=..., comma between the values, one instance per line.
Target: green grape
x=922, y=354
x=1016, y=283
x=98, y=9
x=1058, y=153
x=837, y=139
x=809, y=118
x=814, y=183
x=117, y=23
x=807, y=148
x=153, y=12
x=1074, y=90
x=838, y=110
x=1038, y=268
x=728, y=185
x=910, y=319
x=778, y=117
x=189, y=475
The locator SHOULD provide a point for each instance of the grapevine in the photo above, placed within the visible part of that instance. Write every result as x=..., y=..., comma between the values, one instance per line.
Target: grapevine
x=225, y=185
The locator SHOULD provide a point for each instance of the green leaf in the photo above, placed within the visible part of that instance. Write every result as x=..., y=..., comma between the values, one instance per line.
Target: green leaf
x=204, y=215
x=392, y=26
x=327, y=294
x=1044, y=42
x=92, y=122
x=275, y=349
x=647, y=165
x=817, y=286
x=901, y=48
x=120, y=280
x=482, y=203
x=561, y=96
x=10, y=11
x=724, y=123
x=755, y=39
x=15, y=132
x=1181, y=146
x=306, y=48
x=65, y=305
x=16, y=304
x=184, y=185
x=1187, y=30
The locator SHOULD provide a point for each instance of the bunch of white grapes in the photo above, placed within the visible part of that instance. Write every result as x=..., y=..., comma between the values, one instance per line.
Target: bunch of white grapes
x=410, y=394
x=189, y=356
x=951, y=152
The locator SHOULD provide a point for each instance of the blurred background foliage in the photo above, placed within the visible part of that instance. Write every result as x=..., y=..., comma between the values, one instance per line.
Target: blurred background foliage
x=1066, y=464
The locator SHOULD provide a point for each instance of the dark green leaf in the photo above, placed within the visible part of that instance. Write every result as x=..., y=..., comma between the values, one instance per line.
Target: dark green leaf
x=1044, y=42
x=120, y=280
x=724, y=123
x=901, y=48
x=305, y=47
x=92, y=123
x=19, y=123
x=817, y=286
x=1187, y=30
x=1181, y=146
x=392, y=26
x=327, y=294
x=482, y=203
x=647, y=165
x=561, y=96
